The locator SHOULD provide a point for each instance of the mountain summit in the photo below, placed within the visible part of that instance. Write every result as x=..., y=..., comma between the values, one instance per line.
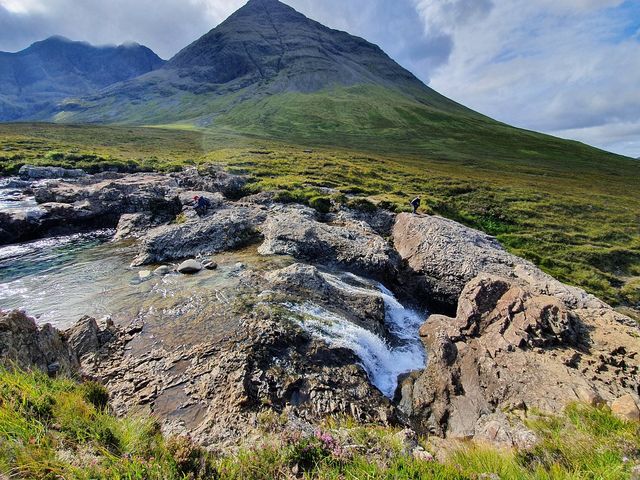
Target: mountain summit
x=270, y=43
x=270, y=72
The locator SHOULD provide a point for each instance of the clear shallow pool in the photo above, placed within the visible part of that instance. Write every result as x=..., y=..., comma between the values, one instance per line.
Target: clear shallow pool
x=59, y=280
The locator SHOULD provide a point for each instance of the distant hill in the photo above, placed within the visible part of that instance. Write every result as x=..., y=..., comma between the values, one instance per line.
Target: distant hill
x=35, y=79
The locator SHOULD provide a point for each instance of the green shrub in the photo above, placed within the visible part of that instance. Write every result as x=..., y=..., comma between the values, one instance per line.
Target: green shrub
x=362, y=204
x=321, y=204
x=96, y=394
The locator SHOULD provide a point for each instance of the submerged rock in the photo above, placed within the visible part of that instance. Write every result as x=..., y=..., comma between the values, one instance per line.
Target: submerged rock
x=161, y=271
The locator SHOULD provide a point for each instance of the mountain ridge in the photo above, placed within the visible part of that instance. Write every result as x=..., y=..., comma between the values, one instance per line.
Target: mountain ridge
x=36, y=78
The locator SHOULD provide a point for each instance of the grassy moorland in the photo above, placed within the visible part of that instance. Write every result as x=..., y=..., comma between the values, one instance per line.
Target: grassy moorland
x=58, y=428
x=571, y=209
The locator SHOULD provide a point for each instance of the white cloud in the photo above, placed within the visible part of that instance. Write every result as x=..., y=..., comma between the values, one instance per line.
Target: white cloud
x=23, y=7
x=528, y=65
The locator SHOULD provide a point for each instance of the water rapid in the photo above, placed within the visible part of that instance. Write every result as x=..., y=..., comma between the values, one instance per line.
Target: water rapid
x=384, y=359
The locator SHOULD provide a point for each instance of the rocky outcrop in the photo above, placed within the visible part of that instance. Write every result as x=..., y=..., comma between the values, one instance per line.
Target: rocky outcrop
x=305, y=282
x=93, y=202
x=25, y=344
x=221, y=230
x=30, y=172
x=510, y=348
x=442, y=256
x=212, y=179
x=349, y=244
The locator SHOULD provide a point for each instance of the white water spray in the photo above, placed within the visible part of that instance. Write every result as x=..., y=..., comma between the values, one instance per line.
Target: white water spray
x=383, y=360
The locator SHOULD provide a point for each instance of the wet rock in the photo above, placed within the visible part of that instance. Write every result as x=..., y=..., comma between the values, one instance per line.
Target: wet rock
x=442, y=256
x=29, y=172
x=189, y=267
x=305, y=283
x=210, y=265
x=25, y=344
x=351, y=244
x=161, y=271
x=133, y=225
x=626, y=408
x=222, y=230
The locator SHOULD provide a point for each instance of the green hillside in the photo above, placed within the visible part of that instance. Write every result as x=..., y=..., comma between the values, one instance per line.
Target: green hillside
x=571, y=209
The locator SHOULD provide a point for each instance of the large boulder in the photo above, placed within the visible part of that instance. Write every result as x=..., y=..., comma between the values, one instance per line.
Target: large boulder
x=442, y=256
x=510, y=347
x=222, y=230
x=212, y=179
x=351, y=244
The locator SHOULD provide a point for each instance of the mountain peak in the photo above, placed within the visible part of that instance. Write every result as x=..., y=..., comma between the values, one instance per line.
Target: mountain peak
x=57, y=39
x=269, y=42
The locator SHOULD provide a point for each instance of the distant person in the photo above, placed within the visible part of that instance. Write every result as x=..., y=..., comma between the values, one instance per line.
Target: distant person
x=203, y=204
x=415, y=203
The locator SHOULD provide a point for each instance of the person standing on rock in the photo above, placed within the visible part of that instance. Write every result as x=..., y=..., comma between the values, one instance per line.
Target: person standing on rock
x=202, y=204
x=415, y=203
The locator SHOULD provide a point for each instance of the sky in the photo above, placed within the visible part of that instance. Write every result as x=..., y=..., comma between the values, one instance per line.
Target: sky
x=570, y=68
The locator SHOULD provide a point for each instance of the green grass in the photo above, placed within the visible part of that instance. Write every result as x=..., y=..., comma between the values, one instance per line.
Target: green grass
x=58, y=428
x=570, y=209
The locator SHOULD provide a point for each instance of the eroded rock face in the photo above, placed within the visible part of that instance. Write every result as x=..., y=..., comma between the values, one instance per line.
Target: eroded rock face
x=511, y=348
x=30, y=172
x=442, y=256
x=92, y=202
x=213, y=179
x=24, y=343
x=350, y=244
x=305, y=283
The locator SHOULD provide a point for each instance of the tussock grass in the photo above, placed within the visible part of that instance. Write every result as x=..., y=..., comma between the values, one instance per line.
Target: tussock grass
x=58, y=428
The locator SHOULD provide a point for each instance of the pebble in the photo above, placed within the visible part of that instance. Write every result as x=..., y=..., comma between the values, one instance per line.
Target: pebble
x=144, y=275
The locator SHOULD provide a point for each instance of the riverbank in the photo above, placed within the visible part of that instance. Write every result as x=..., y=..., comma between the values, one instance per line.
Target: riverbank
x=256, y=307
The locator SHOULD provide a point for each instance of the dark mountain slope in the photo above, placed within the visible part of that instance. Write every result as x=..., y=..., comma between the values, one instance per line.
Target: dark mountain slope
x=264, y=49
x=36, y=78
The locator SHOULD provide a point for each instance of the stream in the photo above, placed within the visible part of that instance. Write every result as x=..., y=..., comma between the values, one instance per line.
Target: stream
x=59, y=280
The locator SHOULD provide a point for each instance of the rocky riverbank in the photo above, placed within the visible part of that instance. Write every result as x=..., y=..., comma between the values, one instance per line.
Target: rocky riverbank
x=323, y=336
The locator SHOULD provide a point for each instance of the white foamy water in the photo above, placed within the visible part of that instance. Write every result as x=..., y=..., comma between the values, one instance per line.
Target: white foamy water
x=383, y=359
